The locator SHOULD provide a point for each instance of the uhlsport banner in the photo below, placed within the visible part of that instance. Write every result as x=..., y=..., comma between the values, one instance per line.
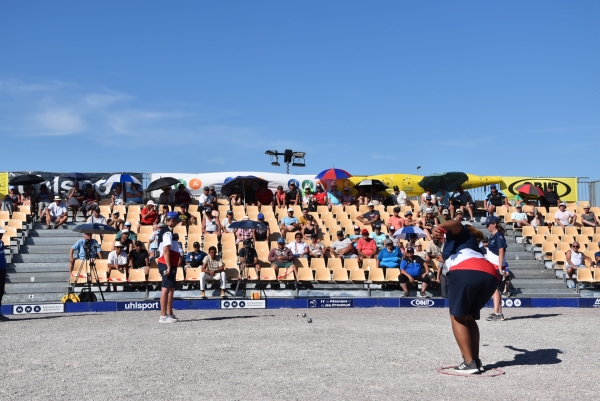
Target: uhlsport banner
x=565, y=187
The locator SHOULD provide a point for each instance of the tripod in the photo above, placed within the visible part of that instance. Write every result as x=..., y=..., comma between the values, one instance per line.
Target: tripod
x=91, y=274
x=243, y=269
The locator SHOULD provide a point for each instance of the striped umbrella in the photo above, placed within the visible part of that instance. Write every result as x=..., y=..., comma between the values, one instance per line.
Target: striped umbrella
x=121, y=178
x=405, y=232
x=530, y=191
x=333, y=174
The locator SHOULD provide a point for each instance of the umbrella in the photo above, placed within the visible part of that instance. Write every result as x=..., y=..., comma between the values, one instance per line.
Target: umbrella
x=530, y=191
x=162, y=182
x=368, y=184
x=121, y=178
x=75, y=176
x=94, y=228
x=248, y=225
x=333, y=174
x=449, y=181
x=26, y=179
x=405, y=232
x=242, y=181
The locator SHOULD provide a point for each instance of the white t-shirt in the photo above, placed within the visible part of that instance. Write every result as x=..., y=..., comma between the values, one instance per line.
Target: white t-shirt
x=100, y=219
x=167, y=239
x=297, y=248
x=516, y=216
x=399, y=199
x=563, y=217
x=57, y=211
x=114, y=259
x=225, y=224
x=206, y=199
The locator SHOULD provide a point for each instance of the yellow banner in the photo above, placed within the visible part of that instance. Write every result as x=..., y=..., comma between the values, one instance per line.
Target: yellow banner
x=565, y=187
x=3, y=184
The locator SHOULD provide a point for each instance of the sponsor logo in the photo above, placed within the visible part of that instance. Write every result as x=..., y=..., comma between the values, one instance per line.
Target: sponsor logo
x=195, y=183
x=244, y=304
x=295, y=181
x=427, y=303
x=331, y=303
x=597, y=303
x=43, y=308
x=509, y=303
x=141, y=305
x=543, y=184
x=308, y=184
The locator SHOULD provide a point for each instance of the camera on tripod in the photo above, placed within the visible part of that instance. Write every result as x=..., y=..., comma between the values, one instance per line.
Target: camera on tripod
x=87, y=248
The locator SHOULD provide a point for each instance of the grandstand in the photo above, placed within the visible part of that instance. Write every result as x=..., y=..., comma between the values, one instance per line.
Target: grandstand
x=38, y=269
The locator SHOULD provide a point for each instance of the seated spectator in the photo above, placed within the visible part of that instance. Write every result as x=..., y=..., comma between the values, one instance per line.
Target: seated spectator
x=494, y=199
x=91, y=199
x=139, y=258
x=372, y=216
x=414, y=268
x=378, y=236
x=428, y=222
x=366, y=246
x=262, y=234
x=519, y=218
x=235, y=199
x=408, y=219
x=537, y=220
x=395, y=240
x=195, y=257
x=342, y=248
x=126, y=242
x=126, y=226
x=298, y=247
x=376, y=197
x=564, y=217
x=135, y=194
x=242, y=234
x=11, y=200
x=75, y=199
x=334, y=197
x=249, y=258
x=347, y=198
x=588, y=218
x=428, y=204
x=206, y=199
x=316, y=249
x=117, y=196
x=575, y=260
x=96, y=217
x=389, y=256
x=444, y=216
x=424, y=195
x=309, y=228
x=227, y=221
x=308, y=201
x=320, y=196
x=434, y=252
x=395, y=220
x=418, y=247
x=443, y=199
x=117, y=260
x=462, y=201
x=518, y=200
x=162, y=217
x=550, y=198
x=56, y=213
x=210, y=224
x=305, y=217
x=213, y=269
x=398, y=197
x=182, y=196
x=149, y=215
x=282, y=257
x=355, y=236
x=362, y=198
x=215, y=199
x=78, y=250
x=156, y=227
x=597, y=258
x=185, y=217
x=264, y=196
x=289, y=223
x=44, y=199
x=412, y=240
x=280, y=198
x=167, y=197
x=250, y=196
x=116, y=221
x=458, y=215
x=292, y=197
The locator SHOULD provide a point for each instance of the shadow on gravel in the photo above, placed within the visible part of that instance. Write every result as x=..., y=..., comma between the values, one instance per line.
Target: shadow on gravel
x=547, y=356
x=38, y=317
x=224, y=318
x=536, y=316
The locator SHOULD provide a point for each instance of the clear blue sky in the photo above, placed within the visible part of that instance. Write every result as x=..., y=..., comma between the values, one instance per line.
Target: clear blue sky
x=490, y=88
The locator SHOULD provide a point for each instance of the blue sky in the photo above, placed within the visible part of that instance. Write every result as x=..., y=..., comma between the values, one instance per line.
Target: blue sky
x=490, y=88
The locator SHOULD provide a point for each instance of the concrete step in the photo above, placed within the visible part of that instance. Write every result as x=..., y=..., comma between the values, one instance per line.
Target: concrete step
x=519, y=256
x=38, y=267
x=31, y=288
x=51, y=277
x=32, y=298
x=534, y=292
x=40, y=258
x=66, y=241
x=533, y=274
x=45, y=249
x=538, y=283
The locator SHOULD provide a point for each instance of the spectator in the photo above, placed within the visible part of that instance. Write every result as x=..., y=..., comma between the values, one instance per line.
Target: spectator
x=519, y=218
x=44, y=199
x=227, y=221
x=494, y=199
x=398, y=197
x=597, y=257
x=149, y=215
x=117, y=260
x=518, y=200
x=428, y=204
x=77, y=251
x=126, y=226
x=505, y=274
x=195, y=257
x=96, y=217
x=376, y=197
x=117, y=196
x=262, y=234
x=235, y=199
x=186, y=218
x=563, y=217
x=418, y=247
x=389, y=256
x=355, y=236
x=537, y=220
x=309, y=228
x=11, y=200
x=395, y=220
x=280, y=198
x=443, y=199
x=249, y=196
x=434, y=252
x=289, y=223
x=206, y=199
x=213, y=194
x=210, y=224
x=320, y=196
x=395, y=240
x=378, y=236
x=91, y=198
x=154, y=237
x=292, y=197
x=264, y=196
x=213, y=269
x=162, y=217
x=251, y=259
x=366, y=246
x=342, y=248
x=282, y=257
x=139, y=258
x=461, y=201
x=550, y=198
x=362, y=198
x=588, y=218
x=308, y=201
x=414, y=268
x=242, y=234
x=298, y=247
x=126, y=242
x=75, y=199
x=166, y=197
x=347, y=198
x=334, y=197
x=575, y=260
x=424, y=195
x=458, y=215
x=116, y=221
x=182, y=196
x=316, y=249
x=372, y=216
x=428, y=222
x=444, y=216
x=135, y=194
x=408, y=219
x=56, y=213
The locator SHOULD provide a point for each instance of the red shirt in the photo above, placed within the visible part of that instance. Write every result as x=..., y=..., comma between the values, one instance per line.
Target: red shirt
x=320, y=197
x=182, y=197
x=265, y=197
x=366, y=247
x=150, y=217
x=397, y=222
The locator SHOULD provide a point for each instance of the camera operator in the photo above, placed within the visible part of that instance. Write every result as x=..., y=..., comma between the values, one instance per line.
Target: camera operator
x=249, y=257
x=86, y=248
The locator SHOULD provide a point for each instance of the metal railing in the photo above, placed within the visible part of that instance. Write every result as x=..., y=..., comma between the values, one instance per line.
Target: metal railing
x=589, y=191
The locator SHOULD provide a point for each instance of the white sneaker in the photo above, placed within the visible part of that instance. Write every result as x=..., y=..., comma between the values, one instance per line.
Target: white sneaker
x=172, y=319
x=164, y=319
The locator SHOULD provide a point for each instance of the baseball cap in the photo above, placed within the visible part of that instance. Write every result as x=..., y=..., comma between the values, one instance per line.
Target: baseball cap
x=445, y=211
x=125, y=231
x=493, y=186
x=57, y=197
x=138, y=243
x=396, y=187
x=260, y=216
x=485, y=239
x=407, y=213
x=429, y=210
x=396, y=209
x=118, y=244
x=2, y=231
x=280, y=240
x=356, y=228
x=492, y=219
x=128, y=223
x=340, y=232
x=211, y=187
x=208, y=209
x=290, y=209
x=392, y=228
x=196, y=244
x=370, y=204
x=459, y=211
x=173, y=215
x=96, y=208
x=562, y=204
x=150, y=202
x=428, y=197
x=206, y=188
x=11, y=187
x=388, y=241
x=410, y=249
x=364, y=231
x=378, y=226
x=116, y=212
x=230, y=212
x=519, y=207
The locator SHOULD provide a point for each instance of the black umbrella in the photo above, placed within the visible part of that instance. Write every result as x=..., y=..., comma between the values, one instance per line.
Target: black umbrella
x=75, y=176
x=248, y=225
x=162, y=182
x=242, y=181
x=368, y=184
x=26, y=179
x=94, y=228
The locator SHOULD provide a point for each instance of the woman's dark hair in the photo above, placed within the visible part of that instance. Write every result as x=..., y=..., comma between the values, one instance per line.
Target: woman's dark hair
x=212, y=248
x=476, y=233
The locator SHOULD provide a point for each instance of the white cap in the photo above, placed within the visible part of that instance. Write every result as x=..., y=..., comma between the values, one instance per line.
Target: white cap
x=429, y=210
x=290, y=209
x=562, y=204
x=57, y=198
x=370, y=204
x=445, y=211
x=118, y=243
x=2, y=231
x=125, y=231
x=150, y=202
x=392, y=228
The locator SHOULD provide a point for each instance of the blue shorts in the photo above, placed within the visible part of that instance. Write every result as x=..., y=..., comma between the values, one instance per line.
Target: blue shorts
x=167, y=281
x=469, y=291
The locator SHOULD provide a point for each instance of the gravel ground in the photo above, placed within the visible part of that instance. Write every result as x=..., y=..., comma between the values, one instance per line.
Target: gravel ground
x=355, y=354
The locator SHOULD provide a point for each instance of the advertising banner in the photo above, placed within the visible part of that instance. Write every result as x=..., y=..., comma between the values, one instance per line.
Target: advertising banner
x=243, y=304
x=422, y=303
x=35, y=309
x=331, y=303
x=565, y=187
x=3, y=184
x=138, y=305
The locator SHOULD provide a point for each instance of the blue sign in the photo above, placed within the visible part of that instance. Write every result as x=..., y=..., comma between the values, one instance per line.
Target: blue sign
x=295, y=181
x=589, y=302
x=422, y=303
x=138, y=305
x=516, y=303
x=331, y=303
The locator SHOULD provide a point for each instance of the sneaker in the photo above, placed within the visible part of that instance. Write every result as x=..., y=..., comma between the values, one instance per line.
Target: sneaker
x=203, y=294
x=467, y=369
x=405, y=294
x=479, y=365
x=571, y=284
x=223, y=293
x=172, y=319
x=492, y=318
x=506, y=294
x=164, y=319
x=500, y=317
x=581, y=286
x=423, y=294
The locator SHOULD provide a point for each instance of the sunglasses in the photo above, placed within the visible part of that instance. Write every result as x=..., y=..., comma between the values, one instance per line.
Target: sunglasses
x=575, y=246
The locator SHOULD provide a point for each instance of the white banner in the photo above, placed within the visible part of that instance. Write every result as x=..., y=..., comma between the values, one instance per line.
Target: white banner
x=243, y=304
x=41, y=308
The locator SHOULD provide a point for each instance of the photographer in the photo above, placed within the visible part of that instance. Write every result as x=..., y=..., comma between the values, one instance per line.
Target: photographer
x=86, y=248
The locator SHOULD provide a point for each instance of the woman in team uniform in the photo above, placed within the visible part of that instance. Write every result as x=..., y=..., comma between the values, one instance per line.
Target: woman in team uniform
x=472, y=282
x=496, y=254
